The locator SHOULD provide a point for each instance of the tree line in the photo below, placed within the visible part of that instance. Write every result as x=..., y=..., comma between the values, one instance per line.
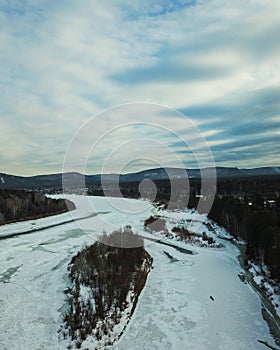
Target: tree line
x=17, y=205
x=259, y=226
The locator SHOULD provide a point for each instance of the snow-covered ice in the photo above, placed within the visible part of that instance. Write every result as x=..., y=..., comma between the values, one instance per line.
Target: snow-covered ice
x=174, y=310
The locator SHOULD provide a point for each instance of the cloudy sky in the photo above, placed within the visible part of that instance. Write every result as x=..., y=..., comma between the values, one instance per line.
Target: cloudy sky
x=63, y=62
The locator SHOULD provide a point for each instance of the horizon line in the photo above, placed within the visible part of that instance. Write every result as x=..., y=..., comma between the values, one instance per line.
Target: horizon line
x=139, y=171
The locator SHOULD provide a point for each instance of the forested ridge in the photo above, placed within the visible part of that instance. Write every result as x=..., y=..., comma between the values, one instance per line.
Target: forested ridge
x=17, y=205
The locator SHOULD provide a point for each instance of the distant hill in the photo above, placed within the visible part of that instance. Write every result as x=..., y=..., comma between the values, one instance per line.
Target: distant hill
x=53, y=182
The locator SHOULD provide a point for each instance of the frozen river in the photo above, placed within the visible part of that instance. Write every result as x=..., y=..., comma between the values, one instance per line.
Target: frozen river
x=174, y=311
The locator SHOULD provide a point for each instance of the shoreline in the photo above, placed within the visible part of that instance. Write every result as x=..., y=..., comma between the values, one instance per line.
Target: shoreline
x=36, y=217
x=269, y=312
x=33, y=230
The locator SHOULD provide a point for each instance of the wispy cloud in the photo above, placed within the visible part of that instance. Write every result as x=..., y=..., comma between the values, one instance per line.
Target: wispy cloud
x=62, y=62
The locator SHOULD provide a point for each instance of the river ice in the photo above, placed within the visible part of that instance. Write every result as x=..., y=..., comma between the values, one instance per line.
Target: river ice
x=174, y=311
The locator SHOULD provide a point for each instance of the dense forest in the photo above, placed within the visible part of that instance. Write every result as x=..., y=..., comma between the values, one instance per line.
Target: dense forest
x=108, y=274
x=268, y=187
x=17, y=205
x=259, y=226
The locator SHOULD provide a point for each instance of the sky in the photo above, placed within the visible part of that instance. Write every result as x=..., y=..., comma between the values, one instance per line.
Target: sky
x=66, y=65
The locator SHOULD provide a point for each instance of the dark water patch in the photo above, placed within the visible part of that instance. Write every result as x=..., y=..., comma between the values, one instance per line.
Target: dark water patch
x=39, y=247
x=75, y=233
x=6, y=275
x=267, y=345
x=180, y=249
x=60, y=264
x=268, y=310
x=171, y=258
x=228, y=239
x=9, y=258
x=34, y=229
x=273, y=326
